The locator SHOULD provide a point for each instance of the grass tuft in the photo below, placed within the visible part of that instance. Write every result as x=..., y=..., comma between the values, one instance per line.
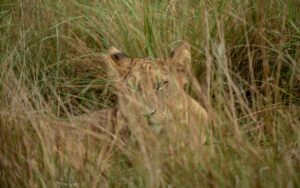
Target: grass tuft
x=246, y=56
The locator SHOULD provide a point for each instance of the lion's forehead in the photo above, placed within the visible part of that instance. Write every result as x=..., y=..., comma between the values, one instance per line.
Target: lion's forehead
x=147, y=68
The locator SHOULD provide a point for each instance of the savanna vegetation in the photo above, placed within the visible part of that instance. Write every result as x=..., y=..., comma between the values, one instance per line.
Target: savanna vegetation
x=245, y=60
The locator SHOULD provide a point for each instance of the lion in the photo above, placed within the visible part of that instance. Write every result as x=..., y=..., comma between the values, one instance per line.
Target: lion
x=151, y=101
x=153, y=89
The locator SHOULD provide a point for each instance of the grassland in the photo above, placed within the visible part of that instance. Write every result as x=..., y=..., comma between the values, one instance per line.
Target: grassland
x=246, y=58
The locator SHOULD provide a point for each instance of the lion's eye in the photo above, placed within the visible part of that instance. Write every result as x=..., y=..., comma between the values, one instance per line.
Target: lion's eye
x=161, y=84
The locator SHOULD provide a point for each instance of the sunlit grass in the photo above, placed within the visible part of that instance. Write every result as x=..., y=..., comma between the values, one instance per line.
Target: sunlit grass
x=245, y=57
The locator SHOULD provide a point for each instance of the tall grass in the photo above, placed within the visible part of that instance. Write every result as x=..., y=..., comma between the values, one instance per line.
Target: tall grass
x=245, y=57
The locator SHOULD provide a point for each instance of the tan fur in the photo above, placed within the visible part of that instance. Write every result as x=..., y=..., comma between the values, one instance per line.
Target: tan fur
x=154, y=88
x=150, y=95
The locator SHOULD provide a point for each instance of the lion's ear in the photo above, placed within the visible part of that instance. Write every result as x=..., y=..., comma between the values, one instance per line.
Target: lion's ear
x=117, y=61
x=116, y=55
x=181, y=56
